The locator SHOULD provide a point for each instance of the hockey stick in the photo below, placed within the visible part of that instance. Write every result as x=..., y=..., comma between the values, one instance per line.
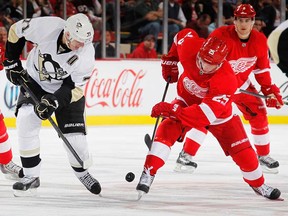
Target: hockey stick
x=148, y=140
x=258, y=95
x=84, y=164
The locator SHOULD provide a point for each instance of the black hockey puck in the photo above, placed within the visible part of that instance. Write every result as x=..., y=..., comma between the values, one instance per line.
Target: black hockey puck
x=130, y=177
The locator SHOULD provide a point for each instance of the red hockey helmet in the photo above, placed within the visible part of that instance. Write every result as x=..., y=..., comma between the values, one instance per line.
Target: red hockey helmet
x=211, y=55
x=213, y=51
x=245, y=11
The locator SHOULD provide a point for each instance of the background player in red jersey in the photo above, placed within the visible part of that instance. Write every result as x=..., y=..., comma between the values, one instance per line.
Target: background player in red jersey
x=7, y=166
x=204, y=101
x=247, y=53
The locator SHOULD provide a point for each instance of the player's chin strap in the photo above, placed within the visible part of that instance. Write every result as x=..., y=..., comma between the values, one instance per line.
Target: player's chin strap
x=258, y=95
x=84, y=164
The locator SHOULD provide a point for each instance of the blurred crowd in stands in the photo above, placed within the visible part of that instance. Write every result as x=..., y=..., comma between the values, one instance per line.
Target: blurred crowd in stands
x=142, y=19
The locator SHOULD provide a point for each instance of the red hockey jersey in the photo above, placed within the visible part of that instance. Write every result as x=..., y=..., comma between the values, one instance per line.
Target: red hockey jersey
x=208, y=96
x=246, y=56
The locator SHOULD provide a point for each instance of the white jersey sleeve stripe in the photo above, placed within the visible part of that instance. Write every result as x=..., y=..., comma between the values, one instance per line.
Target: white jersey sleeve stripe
x=208, y=112
x=258, y=71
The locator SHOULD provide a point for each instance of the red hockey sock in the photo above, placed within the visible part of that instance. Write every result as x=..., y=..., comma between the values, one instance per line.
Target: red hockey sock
x=191, y=147
x=249, y=165
x=153, y=163
x=262, y=150
x=5, y=156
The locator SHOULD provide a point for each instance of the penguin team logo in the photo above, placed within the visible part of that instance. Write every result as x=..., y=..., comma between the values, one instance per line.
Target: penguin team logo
x=49, y=69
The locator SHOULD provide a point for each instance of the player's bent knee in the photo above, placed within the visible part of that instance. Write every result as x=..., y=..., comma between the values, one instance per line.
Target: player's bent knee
x=171, y=128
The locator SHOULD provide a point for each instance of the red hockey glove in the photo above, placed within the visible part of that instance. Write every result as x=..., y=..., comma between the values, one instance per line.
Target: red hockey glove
x=164, y=109
x=169, y=68
x=274, y=97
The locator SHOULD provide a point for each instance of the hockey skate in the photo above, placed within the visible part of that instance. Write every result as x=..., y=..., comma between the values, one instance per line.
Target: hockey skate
x=12, y=171
x=268, y=164
x=90, y=183
x=267, y=191
x=27, y=186
x=185, y=163
x=144, y=183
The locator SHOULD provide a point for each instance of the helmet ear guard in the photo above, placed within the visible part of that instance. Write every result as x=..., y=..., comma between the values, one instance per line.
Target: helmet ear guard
x=79, y=28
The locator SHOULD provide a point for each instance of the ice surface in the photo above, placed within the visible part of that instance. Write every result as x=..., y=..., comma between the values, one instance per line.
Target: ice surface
x=215, y=188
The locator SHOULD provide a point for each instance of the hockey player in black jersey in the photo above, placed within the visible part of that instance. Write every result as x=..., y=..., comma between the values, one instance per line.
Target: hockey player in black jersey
x=58, y=67
x=278, y=46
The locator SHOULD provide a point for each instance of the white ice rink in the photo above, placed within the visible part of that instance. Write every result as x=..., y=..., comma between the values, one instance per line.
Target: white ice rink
x=215, y=188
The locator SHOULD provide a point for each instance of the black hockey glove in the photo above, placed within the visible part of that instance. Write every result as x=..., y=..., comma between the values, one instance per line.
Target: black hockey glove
x=15, y=72
x=46, y=107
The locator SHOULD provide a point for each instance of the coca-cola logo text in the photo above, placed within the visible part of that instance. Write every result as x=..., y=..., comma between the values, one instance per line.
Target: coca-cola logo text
x=121, y=91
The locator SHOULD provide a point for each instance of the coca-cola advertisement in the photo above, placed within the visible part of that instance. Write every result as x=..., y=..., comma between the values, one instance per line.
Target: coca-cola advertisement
x=124, y=91
x=118, y=88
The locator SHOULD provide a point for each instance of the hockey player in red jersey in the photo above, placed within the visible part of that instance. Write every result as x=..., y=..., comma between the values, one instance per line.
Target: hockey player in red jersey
x=7, y=166
x=203, y=101
x=247, y=53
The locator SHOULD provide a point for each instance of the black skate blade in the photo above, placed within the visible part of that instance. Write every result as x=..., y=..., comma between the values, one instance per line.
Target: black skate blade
x=278, y=199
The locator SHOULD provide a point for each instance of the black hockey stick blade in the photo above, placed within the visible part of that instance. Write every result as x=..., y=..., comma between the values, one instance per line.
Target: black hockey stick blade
x=148, y=141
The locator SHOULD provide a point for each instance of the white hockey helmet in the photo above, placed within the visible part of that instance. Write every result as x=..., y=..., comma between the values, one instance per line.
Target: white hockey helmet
x=79, y=28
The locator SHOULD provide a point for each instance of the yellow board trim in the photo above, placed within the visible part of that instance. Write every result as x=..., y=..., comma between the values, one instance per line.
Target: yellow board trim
x=133, y=120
